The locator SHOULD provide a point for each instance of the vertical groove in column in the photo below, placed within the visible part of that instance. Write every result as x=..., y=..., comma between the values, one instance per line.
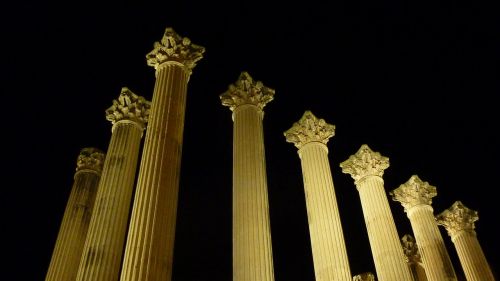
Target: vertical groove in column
x=327, y=238
x=437, y=263
x=103, y=248
x=382, y=233
x=472, y=258
x=252, y=250
x=150, y=243
x=75, y=223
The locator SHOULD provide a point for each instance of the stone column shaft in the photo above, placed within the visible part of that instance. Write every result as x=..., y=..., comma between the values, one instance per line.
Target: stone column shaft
x=103, y=251
x=472, y=257
x=75, y=223
x=310, y=136
x=458, y=221
x=327, y=238
x=252, y=249
x=437, y=263
x=150, y=242
x=416, y=197
x=366, y=167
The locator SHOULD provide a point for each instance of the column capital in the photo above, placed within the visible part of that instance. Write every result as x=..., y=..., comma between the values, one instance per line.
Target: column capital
x=367, y=276
x=309, y=129
x=457, y=218
x=247, y=91
x=365, y=163
x=90, y=158
x=414, y=192
x=410, y=249
x=174, y=49
x=129, y=107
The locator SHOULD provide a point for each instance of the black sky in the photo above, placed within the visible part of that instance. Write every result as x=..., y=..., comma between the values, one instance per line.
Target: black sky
x=415, y=80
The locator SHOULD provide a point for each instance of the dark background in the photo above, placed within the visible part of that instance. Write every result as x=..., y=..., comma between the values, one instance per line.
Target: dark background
x=415, y=80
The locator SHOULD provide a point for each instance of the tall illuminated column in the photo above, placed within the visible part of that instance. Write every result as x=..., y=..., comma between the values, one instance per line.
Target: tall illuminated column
x=416, y=197
x=310, y=135
x=458, y=221
x=150, y=241
x=410, y=249
x=103, y=250
x=366, y=168
x=75, y=223
x=252, y=251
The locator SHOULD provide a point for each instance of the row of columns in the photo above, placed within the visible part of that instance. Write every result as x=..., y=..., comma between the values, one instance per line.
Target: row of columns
x=91, y=241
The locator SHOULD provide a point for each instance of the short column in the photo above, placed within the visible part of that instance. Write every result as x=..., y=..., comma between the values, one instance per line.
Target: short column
x=75, y=223
x=366, y=168
x=459, y=220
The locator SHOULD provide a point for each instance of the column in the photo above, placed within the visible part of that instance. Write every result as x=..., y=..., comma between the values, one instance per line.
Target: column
x=366, y=168
x=412, y=257
x=416, y=197
x=103, y=250
x=458, y=221
x=75, y=223
x=367, y=276
x=252, y=251
x=150, y=242
x=310, y=135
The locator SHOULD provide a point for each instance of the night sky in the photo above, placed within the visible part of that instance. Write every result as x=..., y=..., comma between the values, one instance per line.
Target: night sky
x=415, y=80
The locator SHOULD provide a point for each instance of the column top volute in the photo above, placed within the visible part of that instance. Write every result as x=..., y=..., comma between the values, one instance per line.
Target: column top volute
x=414, y=192
x=246, y=91
x=90, y=158
x=365, y=162
x=175, y=49
x=457, y=218
x=129, y=106
x=309, y=129
x=367, y=276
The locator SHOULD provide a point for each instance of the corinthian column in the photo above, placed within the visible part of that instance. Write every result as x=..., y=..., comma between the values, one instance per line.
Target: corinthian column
x=73, y=230
x=416, y=197
x=413, y=259
x=103, y=250
x=310, y=135
x=367, y=276
x=366, y=168
x=459, y=220
x=252, y=252
x=150, y=243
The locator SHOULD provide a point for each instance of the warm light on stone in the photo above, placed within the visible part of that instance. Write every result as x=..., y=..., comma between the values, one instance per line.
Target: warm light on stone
x=151, y=235
x=458, y=221
x=367, y=276
x=75, y=223
x=412, y=255
x=310, y=135
x=366, y=168
x=252, y=249
x=416, y=197
x=103, y=250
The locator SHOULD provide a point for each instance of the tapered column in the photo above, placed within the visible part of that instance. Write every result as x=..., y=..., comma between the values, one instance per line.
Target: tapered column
x=252, y=252
x=150, y=243
x=310, y=135
x=104, y=246
x=367, y=276
x=75, y=223
x=366, y=168
x=416, y=197
x=413, y=258
x=458, y=221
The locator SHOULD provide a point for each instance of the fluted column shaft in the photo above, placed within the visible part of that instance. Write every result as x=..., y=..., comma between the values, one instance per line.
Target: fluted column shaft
x=471, y=256
x=327, y=238
x=437, y=263
x=384, y=240
x=150, y=242
x=252, y=250
x=74, y=227
x=104, y=246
